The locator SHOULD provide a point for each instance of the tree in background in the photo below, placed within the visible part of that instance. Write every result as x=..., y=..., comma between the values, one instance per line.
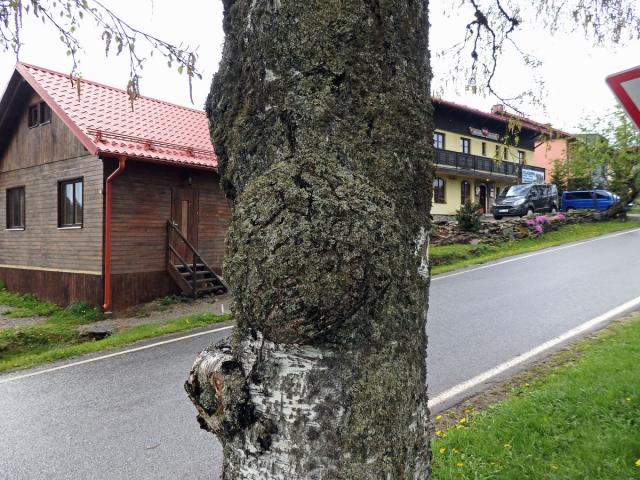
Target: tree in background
x=607, y=156
x=559, y=175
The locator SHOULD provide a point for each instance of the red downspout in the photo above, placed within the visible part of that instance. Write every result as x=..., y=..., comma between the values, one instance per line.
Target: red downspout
x=107, y=235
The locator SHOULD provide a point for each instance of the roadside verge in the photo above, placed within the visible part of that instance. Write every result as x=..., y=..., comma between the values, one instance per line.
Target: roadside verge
x=447, y=258
x=573, y=415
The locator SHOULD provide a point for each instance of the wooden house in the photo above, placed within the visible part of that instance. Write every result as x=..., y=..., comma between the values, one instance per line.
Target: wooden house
x=106, y=202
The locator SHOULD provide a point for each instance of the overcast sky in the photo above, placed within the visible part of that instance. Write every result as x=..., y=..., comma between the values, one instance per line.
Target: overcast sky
x=573, y=70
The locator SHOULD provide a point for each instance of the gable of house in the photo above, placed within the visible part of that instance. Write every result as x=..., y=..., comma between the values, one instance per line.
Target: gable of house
x=61, y=165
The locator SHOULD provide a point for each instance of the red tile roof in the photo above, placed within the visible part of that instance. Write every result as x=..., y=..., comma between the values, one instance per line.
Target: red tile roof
x=102, y=119
x=525, y=122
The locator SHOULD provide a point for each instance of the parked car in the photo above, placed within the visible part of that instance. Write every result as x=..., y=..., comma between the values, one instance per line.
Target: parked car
x=526, y=199
x=599, y=200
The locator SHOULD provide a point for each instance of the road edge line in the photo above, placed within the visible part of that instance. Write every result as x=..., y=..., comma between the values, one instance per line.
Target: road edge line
x=114, y=354
x=542, y=348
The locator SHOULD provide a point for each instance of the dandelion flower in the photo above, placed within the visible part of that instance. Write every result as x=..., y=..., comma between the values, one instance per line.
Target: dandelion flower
x=460, y=465
x=507, y=446
x=438, y=418
x=637, y=464
x=442, y=450
x=438, y=433
x=463, y=420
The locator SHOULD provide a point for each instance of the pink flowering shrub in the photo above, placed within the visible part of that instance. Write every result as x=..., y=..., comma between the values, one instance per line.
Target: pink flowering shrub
x=541, y=223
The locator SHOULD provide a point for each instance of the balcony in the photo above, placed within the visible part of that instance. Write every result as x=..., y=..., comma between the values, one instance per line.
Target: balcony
x=465, y=163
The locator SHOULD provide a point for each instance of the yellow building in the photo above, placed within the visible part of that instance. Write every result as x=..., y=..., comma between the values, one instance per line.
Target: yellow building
x=477, y=154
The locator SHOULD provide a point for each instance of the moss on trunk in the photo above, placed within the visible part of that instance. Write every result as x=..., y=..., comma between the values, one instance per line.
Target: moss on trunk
x=322, y=124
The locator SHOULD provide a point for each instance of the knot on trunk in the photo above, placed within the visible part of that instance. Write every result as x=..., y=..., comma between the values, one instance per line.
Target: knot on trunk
x=310, y=245
x=218, y=388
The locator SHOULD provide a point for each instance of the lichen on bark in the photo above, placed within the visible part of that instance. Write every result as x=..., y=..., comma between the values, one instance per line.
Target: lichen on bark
x=321, y=121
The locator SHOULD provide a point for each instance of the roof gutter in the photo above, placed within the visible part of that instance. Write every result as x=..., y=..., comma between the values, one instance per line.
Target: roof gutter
x=107, y=234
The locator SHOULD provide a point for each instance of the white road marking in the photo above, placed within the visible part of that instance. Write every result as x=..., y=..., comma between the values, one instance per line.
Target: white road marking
x=520, y=359
x=541, y=252
x=116, y=354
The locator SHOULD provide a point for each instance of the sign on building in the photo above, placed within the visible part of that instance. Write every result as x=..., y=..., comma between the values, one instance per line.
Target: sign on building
x=529, y=175
x=484, y=133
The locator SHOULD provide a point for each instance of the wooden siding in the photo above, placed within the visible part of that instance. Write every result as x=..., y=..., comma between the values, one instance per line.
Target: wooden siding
x=62, y=288
x=215, y=215
x=135, y=288
x=42, y=243
x=141, y=206
x=39, y=145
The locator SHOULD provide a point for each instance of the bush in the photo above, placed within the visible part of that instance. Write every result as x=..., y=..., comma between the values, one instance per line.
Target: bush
x=542, y=224
x=468, y=217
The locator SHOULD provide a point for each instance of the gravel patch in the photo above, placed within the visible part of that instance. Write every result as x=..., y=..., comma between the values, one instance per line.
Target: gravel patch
x=8, y=322
x=155, y=312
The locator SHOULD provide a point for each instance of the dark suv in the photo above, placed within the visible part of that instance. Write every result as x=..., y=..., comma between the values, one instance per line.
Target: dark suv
x=527, y=199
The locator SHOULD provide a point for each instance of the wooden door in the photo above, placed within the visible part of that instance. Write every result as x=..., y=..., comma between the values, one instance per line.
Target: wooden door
x=184, y=215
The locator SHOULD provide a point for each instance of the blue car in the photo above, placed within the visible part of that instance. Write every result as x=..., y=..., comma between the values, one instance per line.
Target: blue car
x=599, y=200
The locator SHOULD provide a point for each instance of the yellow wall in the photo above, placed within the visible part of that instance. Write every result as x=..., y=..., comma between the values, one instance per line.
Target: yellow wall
x=452, y=142
x=452, y=193
x=453, y=185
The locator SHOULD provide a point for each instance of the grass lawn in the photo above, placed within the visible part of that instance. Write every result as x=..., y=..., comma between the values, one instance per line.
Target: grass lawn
x=577, y=421
x=57, y=337
x=451, y=257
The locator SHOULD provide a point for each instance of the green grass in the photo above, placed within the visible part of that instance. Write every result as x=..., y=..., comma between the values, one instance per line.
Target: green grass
x=70, y=345
x=451, y=257
x=57, y=336
x=579, y=421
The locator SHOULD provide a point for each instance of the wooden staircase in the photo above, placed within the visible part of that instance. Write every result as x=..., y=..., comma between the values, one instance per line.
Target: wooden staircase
x=192, y=274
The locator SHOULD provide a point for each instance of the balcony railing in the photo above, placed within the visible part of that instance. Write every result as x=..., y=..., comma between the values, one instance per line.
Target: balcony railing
x=463, y=161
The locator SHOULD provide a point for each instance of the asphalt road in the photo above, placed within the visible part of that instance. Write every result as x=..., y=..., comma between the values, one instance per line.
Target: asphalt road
x=127, y=417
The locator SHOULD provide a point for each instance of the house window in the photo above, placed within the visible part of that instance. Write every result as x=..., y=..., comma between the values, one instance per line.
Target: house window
x=70, y=203
x=39, y=114
x=15, y=208
x=484, y=149
x=438, y=190
x=465, y=191
x=520, y=156
x=438, y=140
x=33, y=115
x=465, y=145
x=45, y=113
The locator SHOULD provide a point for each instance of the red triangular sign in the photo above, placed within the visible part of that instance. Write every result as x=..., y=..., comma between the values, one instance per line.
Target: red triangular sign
x=626, y=88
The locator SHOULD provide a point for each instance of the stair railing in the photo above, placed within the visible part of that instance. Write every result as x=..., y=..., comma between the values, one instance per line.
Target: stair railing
x=197, y=258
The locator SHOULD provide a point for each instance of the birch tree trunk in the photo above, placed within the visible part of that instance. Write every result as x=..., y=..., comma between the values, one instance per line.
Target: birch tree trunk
x=321, y=119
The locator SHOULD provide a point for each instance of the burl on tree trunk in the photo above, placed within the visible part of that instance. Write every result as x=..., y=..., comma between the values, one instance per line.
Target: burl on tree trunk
x=322, y=124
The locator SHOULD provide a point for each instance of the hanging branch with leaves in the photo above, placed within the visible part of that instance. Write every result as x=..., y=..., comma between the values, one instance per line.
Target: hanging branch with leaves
x=490, y=33
x=65, y=17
